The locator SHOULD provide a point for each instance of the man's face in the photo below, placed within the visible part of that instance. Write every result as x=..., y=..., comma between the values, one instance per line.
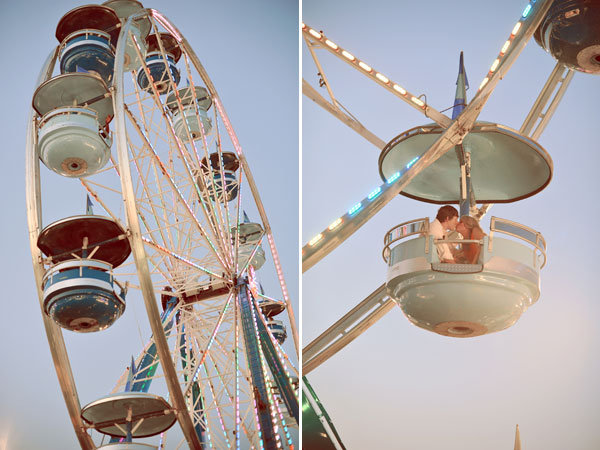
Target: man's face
x=451, y=223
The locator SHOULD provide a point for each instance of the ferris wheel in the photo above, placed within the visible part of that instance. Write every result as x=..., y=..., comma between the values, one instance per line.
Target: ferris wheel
x=437, y=163
x=125, y=110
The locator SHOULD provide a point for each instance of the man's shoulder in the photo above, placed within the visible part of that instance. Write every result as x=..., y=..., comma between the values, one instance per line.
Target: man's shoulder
x=436, y=229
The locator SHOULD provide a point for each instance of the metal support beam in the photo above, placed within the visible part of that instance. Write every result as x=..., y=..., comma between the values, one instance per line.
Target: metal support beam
x=60, y=358
x=353, y=220
x=311, y=93
x=560, y=75
x=139, y=252
x=348, y=328
x=440, y=118
x=506, y=58
x=244, y=165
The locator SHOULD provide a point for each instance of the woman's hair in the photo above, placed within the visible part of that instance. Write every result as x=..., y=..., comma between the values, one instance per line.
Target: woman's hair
x=471, y=223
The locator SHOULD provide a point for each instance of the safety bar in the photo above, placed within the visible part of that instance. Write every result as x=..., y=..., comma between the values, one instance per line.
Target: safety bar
x=518, y=231
x=405, y=229
x=68, y=110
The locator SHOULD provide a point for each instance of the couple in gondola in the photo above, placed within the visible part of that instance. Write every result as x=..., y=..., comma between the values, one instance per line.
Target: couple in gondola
x=446, y=221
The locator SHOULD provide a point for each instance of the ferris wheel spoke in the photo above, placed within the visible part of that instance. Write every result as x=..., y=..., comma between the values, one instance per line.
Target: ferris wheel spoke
x=512, y=48
x=87, y=185
x=176, y=191
x=347, y=119
x=313, y=38
x=210, y=341
x=166, y=239
x=217, y=372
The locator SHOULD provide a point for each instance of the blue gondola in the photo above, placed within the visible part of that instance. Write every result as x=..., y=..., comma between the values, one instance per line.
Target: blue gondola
x=87, y=36
x=570, y=33
x=162, y=68
x=80, y=295
x=79, y=292
x=221, y=187
x=277, y=330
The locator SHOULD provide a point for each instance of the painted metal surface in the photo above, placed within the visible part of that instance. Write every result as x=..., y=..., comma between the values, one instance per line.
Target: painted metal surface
x=71, y=143
x=570, y=33
x=74, y=89
x=56, y=343
x=505, y=165
x=88, y=51
x=65, y=237
x=354, y=323
x=269, y=438
x=79, y=295
x=149, y=414
x=138, y=250
x=282, y=379
x=157, y=66
x=466, y=300
x=318, y=431
x=129, y=446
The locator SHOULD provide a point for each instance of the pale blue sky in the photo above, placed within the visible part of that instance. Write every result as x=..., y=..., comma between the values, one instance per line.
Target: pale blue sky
x=251, y=54
x=398, y=386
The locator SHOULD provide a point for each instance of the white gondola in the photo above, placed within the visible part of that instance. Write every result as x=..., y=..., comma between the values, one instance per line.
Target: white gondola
x=250, y=235
x=71, y=142
x=464, y=300
x=190, y=120
x=73, y=137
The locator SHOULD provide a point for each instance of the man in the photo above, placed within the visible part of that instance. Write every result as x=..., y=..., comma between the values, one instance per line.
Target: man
x=446, y=219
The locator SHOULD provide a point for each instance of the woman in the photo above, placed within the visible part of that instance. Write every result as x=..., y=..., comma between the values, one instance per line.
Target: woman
x=470, y=229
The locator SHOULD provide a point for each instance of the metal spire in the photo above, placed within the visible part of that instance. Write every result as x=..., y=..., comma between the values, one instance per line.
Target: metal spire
x=517, y=439
x=462, y=84
x=463, y=154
